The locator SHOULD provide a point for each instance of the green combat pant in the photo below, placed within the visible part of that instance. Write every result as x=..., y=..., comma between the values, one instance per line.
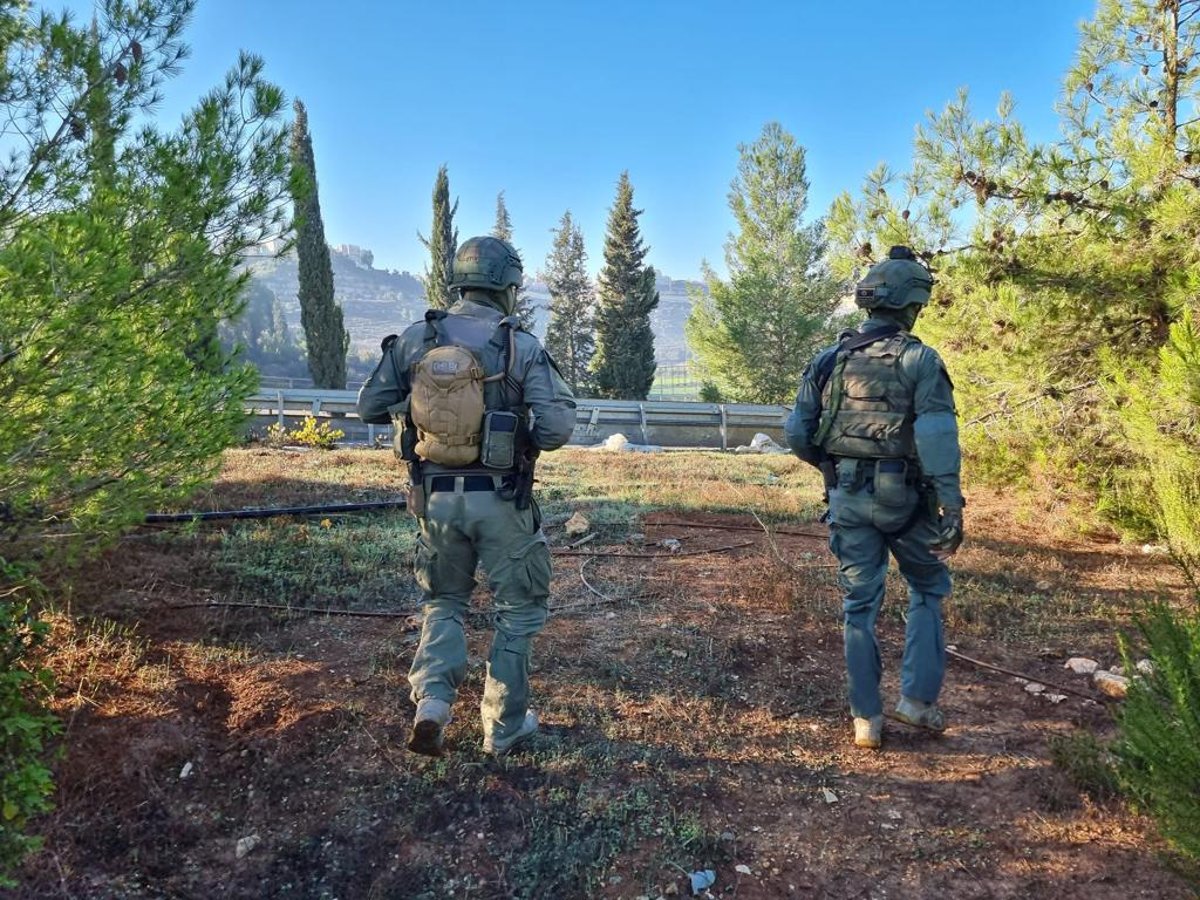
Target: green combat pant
x=461, y=529
x=864, y=527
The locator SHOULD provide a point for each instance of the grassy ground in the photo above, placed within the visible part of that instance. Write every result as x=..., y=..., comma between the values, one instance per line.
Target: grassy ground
x=692, y=706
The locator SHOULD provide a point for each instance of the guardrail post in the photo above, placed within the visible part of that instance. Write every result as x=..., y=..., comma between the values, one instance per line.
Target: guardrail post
x=279, y=400
x=371, y=435
x=642, y=414
x=724, y=427
x=316, y=406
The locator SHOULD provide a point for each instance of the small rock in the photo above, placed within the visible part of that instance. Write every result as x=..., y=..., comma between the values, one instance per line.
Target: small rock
x=742, y=869
x=679, y=654
x=577, y=524
x=671, y=544
x=246, y=844
x=1055, y=698
x=1043, y=586
x=1145, y=666
x=610, y=615
x=1034, y=688
x=185, y=771
x=1111, y=684
x=830, y=796
x=1081, y=665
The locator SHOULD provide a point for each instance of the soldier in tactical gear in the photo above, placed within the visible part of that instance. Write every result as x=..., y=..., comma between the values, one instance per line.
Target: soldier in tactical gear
x=475, y=399
x=875, y=413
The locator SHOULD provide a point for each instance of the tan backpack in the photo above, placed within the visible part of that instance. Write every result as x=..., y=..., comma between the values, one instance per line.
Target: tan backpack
x=447, y=405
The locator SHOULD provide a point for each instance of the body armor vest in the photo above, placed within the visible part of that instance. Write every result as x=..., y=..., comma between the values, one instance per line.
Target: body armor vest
x=867, y=410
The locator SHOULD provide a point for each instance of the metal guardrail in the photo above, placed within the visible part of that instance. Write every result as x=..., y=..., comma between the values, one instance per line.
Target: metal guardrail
x=674, y=423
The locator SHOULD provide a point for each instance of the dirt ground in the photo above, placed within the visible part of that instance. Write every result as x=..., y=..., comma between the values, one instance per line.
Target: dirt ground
x=692, y=707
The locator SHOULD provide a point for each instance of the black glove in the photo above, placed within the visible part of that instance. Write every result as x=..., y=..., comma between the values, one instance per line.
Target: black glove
x=950, y=533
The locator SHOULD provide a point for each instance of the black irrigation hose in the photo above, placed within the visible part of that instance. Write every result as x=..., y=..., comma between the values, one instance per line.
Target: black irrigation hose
x=267, y=513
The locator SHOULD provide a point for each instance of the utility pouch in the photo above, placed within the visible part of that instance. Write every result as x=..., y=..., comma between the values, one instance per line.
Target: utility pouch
x=498, y=448
x=891, y=482
x=416, y=499
x=404, y=440
x=849, y=474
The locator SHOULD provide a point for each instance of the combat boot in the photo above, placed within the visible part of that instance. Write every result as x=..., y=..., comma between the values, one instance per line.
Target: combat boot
x=433, y=715
x=920, y=714
x=504, y=746
x=868, y=733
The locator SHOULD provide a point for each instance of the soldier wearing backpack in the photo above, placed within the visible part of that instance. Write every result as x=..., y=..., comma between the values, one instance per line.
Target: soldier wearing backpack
x=474, y=399
x=875, y=413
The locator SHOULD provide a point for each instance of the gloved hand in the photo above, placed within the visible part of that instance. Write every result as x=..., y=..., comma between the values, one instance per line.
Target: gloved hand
x=950, y=534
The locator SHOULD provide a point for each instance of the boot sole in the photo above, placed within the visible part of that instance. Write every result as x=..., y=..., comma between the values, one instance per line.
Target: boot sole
x=924, y=727
x=426, y=739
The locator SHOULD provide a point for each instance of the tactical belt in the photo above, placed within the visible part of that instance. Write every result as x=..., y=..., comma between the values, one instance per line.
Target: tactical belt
x=469, y=483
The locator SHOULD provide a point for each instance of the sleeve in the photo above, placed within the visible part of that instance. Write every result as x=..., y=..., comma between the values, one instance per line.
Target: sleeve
x=802, y=424
x=935, y=429
x=549, y=398
x=381, y=390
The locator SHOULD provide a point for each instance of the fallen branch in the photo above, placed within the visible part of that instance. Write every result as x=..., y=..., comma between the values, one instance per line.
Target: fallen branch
x=1003, y=671
x=618, y=555
x=791, y=531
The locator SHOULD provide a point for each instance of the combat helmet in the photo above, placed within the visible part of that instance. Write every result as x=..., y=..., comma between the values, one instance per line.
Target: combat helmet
x=487, y=264
x=895, y=283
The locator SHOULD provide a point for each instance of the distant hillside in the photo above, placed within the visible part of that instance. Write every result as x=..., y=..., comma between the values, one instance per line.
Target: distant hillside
x=379, y=302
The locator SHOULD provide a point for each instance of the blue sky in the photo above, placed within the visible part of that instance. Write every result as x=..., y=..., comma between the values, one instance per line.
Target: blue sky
x=550, y=101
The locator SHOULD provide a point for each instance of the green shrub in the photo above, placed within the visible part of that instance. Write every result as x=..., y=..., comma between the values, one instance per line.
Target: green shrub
x=1159, y=746
x=25, y=783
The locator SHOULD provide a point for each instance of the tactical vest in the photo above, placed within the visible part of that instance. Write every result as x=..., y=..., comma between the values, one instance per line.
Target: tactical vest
x=867, y=410
x=452, y=389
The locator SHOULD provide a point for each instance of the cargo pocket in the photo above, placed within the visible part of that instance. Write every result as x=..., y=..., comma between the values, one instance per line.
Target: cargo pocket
x=891, y=488
x=424, y=557
x=529, y=568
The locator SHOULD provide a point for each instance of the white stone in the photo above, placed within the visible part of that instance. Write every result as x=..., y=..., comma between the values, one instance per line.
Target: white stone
x=1034, y=688
x=1081, y=665
x=830, y=796
x=671, y=544
x=1145, y=666
x=1055, y=698
x=1111, y=684
x=743, y=869
x=246, y=844
x=186, y=771
x=615, y=443
x=1043, y=586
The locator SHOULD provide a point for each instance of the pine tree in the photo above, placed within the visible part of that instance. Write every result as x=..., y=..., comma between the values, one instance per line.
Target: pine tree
x=320, y=315
x=624, y=360
x=569, y=337
x=442, y=243
x=754, y=333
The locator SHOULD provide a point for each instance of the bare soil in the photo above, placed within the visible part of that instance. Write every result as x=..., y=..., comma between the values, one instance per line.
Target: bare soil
x=692, y=707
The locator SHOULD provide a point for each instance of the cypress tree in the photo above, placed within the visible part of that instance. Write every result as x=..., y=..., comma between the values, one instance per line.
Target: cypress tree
x=569, y=337
x=442, y=243
x=320, y=315
x=503, y=227
x=624, y=361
